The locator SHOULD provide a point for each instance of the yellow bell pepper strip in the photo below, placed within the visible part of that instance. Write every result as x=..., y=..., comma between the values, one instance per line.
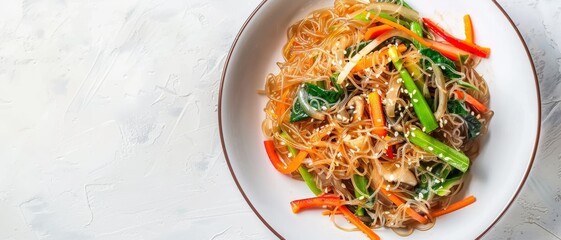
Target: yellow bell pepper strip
x=468, y=25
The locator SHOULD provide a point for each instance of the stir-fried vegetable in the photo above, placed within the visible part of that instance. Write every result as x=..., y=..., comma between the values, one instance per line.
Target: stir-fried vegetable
x=361, y=190
x=443, y=188
x=472, y=101
x=446, y=153
x=377, y=114
x=369, y=15
x=473, y=124
x=397, y=201
x=374, y=32
x=359, y=224
x=464, y=45
x=417, y=29
x=367, y=49
x=432, y=181
x=449, y=51
x=332, y=201
x=470, y=35
x=315, y=202
x=304, y=107
x=447, y=65
x=277, y=163
x=420, y=105
x=454, y=207
x=376, y=57
x=306, y=176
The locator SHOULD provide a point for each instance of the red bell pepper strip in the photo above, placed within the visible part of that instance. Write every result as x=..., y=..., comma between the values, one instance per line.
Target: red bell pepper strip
x=277, y=163
x=449, y=51
x=315, y=202
x=464, y=45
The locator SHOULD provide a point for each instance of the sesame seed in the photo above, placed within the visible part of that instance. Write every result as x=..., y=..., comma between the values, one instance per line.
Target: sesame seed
x=431, y=148
x=343, y=185
x=415, y=100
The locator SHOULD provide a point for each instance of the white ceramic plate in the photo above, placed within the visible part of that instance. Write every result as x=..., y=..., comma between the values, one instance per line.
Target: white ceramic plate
x=496, y=175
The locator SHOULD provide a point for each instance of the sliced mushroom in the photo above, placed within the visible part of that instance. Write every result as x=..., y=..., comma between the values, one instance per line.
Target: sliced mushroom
x=395, y=174
x=357, y=104
x=359, y=143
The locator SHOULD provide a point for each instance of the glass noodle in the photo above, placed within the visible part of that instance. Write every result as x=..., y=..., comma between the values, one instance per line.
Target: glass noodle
x=340, y=136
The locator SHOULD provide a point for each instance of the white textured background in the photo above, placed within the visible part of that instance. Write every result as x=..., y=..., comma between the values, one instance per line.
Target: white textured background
x=108, y=122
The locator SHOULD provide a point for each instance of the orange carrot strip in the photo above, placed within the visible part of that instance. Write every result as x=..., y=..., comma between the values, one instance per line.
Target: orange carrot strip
x=472, y=101
x=275, y=160
x=358, y=223
x=367, y=62
x=377, y=114
x=470, y=36
x=397, y=201
x=405, y=30
x=329, y=212
x=281, y=105
x=373, y=32
x=315, y=202
x=455, y=206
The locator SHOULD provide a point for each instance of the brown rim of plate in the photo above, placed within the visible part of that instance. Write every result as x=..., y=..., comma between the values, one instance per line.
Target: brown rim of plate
x=278, y=234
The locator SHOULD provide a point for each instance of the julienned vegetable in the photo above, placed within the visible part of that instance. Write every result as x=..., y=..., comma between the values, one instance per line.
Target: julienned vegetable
x=275, y=160
x=377, y=114
x=334, y=202
x=417, y=29
x=361, y=191
x=472, y=101
x=454, y=207
x=306, y=176
x=359, y=224
x=397, y=201
x=420, y=105
x=453, y=157
x=467, y=46
x=315, y=202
